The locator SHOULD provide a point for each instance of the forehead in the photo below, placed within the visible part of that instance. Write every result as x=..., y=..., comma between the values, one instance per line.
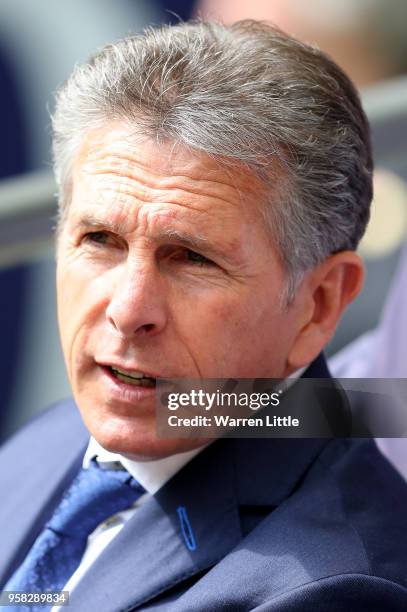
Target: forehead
x=123, y=145
x=118, y=160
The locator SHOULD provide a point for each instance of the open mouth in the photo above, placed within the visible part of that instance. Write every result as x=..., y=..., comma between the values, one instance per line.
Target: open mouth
x=137, y=379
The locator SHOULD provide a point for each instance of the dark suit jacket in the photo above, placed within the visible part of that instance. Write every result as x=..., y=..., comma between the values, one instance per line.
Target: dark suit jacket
x=249, y=524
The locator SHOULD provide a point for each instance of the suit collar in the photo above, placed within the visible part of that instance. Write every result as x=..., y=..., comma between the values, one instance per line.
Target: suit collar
x=279, y=463
x=318, y=368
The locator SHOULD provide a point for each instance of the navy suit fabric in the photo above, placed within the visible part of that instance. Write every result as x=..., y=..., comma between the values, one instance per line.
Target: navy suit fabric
x=282, y=525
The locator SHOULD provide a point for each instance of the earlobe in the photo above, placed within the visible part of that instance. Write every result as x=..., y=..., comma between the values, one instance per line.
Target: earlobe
x=327, y=290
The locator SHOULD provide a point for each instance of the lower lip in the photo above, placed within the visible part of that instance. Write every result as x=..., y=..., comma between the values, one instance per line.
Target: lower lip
x=123, y=392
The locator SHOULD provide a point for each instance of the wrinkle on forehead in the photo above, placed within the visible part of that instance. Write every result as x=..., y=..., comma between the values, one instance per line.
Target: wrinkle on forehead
x=121, y=186
x=116, y=150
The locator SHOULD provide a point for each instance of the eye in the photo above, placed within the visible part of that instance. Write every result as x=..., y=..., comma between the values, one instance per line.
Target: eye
x=99, y=237
x=197, y=258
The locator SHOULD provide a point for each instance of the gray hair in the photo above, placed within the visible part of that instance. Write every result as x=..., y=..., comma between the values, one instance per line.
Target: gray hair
x=247, y=93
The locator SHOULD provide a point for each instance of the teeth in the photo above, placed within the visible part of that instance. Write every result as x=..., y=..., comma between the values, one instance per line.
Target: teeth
x=138, y=379
x=136, y=382
x=129, y=374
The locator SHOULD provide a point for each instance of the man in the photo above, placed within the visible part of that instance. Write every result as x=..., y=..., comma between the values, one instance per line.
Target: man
x=214, y=184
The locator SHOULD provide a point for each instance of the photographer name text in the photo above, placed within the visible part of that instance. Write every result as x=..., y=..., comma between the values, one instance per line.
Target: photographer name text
x=228, y=421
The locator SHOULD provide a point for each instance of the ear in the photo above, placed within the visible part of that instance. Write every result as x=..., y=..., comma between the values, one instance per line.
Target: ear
x=320, y=301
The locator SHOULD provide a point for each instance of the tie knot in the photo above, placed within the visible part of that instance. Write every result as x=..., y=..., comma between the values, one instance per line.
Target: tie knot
x=94, y=495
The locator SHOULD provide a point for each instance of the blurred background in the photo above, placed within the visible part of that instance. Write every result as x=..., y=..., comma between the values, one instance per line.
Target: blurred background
x=39, y=44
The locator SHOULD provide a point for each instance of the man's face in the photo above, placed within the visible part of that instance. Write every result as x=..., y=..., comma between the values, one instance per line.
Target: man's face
x=165, y=268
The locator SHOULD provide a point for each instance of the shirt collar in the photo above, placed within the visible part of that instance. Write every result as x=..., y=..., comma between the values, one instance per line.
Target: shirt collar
x=152, y=474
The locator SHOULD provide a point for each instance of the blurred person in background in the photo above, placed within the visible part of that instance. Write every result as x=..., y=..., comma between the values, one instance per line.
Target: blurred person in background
x=381, y=353
x=214, y=185
x=367, y=38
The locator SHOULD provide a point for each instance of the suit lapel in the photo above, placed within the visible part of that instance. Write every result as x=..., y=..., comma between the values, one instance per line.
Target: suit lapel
x=186, y=528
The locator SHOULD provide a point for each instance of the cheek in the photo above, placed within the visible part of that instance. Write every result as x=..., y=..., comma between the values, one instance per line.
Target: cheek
x=239, y=315
x=80, y=301
x=65, y=303
x=229, y=333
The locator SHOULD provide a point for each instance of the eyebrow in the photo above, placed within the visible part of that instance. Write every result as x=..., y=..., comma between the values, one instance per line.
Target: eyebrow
x=87, y=221
x=191, y=241
x=194, y=242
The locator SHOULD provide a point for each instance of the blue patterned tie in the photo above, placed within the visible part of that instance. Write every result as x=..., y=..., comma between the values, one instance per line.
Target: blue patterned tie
x=93, y=496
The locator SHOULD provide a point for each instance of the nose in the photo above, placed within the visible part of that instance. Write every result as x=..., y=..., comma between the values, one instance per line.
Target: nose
x=137, y=305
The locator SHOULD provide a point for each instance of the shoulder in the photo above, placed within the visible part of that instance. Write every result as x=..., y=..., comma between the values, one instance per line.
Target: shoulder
x=347, y=516
x=351, y=592
x=360, y=500
x=337, y=540
x=49, y=435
